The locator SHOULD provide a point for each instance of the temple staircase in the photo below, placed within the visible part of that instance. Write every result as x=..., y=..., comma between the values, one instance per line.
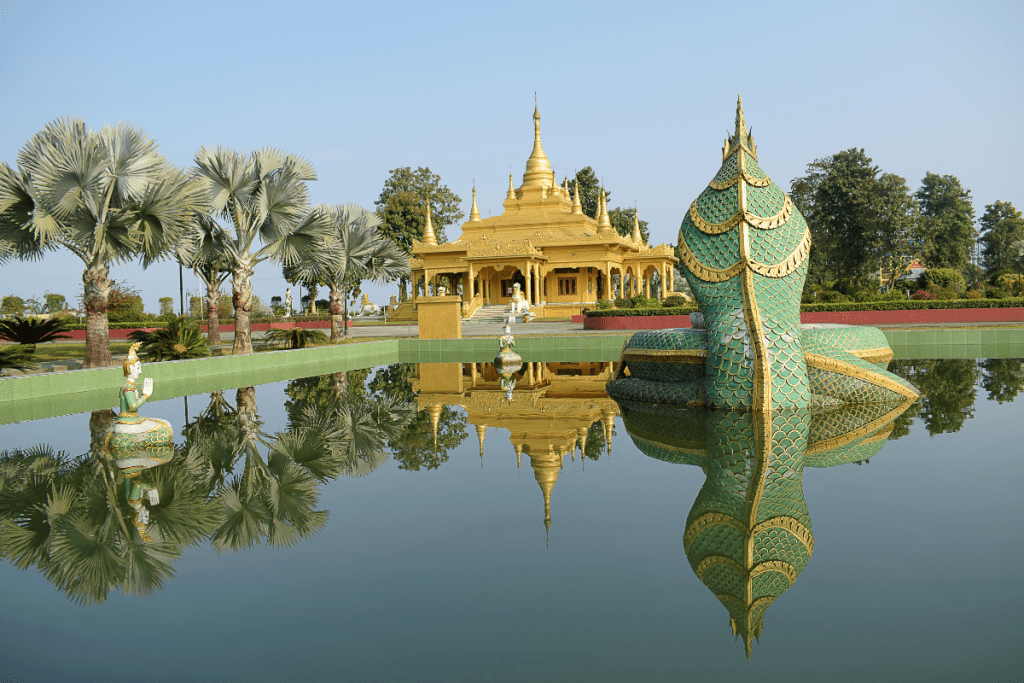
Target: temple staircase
x=490, y=313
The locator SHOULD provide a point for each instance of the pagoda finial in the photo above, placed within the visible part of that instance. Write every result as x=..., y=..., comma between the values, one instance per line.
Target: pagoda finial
x=474, y=213
x=636, y=226
x=428, y=231
x=538, y=168
x=511, y=188
x=519, y=454
x=604, y=225
x=577, y=207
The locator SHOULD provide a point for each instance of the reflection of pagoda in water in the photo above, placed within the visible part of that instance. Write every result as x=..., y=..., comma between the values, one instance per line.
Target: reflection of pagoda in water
x=748, y=534
x=554, y=406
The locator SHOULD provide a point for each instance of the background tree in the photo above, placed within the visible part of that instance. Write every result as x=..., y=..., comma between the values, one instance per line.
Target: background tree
x=401, y=209
x=1001, y=226
x=55, y=303
x=107, y=196
x=352, y=250
x=947, y=221
x=896, y=233
x=263, y=198
x=166, y=306
x=12, y=305
x=860, y=219
x=622, y=220
x=205, y=248
x=124, y=303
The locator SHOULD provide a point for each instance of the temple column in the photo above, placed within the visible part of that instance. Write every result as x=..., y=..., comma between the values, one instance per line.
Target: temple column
x=528, y=277
x=647, y=285
x=607, y=281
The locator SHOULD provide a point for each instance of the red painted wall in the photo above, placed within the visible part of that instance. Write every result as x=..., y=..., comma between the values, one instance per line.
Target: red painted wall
x=943, y=315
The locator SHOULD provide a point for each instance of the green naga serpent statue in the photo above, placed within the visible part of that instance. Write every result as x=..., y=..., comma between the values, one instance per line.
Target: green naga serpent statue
x=744, y=249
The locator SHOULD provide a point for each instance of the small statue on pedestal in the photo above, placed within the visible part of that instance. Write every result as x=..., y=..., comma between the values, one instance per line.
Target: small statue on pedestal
x=138, y=443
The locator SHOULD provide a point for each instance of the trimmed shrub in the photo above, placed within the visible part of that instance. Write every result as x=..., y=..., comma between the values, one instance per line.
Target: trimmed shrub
x=942, y=278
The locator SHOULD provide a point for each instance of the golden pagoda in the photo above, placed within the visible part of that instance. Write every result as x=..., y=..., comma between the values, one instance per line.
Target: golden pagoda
x=562, y=259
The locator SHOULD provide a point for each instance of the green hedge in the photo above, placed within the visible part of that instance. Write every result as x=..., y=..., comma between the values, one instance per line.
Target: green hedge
x=911, y=305
x=632, y=312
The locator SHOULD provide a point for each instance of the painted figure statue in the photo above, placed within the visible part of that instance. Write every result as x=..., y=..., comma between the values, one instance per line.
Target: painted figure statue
x=507, y=362
x=288, y=302
x=744, y=249
x=136, y=443
x=519, y=304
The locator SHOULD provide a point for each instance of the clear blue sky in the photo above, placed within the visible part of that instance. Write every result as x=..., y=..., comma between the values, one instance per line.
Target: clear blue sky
x=642, y=92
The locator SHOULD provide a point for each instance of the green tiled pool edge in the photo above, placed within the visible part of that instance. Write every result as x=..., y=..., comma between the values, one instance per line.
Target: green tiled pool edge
x=60, y=393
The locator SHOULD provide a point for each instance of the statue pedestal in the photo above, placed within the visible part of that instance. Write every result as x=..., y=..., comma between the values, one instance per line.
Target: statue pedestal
x=439, y=317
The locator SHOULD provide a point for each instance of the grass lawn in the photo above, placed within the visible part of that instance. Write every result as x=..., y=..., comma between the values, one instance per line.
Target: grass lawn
x=73, y=351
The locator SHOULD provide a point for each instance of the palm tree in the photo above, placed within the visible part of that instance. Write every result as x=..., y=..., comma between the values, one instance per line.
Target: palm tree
x=204, y=248
x=106, y=196
x=354, y=250
x=264, y=197
x=296, y=337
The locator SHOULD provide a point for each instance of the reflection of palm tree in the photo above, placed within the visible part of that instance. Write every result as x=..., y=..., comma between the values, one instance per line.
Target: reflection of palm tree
x=748, y=535
x=65, y=517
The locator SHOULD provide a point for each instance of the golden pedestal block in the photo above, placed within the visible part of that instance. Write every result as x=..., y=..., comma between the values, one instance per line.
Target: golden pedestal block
x=439, y=317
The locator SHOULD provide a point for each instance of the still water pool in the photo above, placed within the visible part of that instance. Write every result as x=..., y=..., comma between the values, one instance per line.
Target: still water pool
x=406, y=523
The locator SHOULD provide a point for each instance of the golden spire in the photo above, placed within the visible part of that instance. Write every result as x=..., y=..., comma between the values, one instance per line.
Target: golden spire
x=603, y=224
x=519, y=454
x=636, y=226
x=474, y=213
x=511, y=189
x=577, y=207
x=435, y=416
x=481, y=432
x=741, y=136
x=538, y=168
x=428, y=232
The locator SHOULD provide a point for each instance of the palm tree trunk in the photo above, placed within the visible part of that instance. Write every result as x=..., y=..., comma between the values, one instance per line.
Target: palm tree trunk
x=212, y=309
x=337, y=312
x=401, y=289
x=241, y=296
x=97, y=329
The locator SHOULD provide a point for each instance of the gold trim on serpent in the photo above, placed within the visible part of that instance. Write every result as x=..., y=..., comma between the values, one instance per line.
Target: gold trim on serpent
x=821, y=362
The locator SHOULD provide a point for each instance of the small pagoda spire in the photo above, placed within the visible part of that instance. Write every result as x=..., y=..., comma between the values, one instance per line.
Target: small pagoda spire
x=577, y=207
x=428, y=231
x=519, y=454
x=511, y=189
x=636, y=227
x=474, y=213
x=603, y=224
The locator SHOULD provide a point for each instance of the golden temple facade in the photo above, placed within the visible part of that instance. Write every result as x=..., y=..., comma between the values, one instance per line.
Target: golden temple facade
x=562, y=259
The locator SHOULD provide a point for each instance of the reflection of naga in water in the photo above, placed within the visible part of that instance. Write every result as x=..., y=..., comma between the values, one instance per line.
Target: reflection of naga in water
x=748, y=534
